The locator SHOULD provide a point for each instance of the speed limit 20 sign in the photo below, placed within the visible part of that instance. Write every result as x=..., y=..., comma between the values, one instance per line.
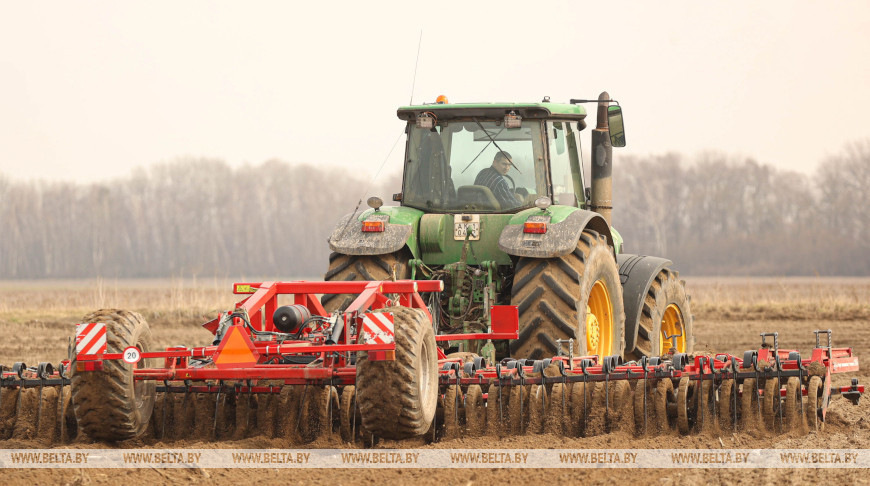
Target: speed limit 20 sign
x=132, y=355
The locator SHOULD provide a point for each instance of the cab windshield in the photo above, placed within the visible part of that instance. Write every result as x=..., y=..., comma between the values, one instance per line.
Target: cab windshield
x=475, y=166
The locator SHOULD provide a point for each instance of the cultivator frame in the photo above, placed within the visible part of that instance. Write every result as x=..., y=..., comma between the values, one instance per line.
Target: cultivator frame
x=768, y=364
x=249, y=357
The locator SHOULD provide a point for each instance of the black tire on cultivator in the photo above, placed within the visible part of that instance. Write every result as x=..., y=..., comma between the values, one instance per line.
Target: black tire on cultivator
x=109, y=404
x=397, y=399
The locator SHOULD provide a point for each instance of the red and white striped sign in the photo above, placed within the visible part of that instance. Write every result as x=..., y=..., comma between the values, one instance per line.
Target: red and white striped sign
x=378, y=328
x=91, y=338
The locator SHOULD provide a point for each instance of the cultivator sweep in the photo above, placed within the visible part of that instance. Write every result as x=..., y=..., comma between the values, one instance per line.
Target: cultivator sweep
x=375, y=370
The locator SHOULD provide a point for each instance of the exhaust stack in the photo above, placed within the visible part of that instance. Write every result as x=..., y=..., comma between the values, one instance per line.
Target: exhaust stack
x=602, y=160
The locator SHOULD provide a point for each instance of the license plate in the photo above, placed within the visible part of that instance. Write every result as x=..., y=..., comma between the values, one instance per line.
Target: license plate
x=466, y=224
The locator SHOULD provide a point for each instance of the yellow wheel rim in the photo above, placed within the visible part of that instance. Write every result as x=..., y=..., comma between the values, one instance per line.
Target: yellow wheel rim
x=673, y=331
x=599, y=321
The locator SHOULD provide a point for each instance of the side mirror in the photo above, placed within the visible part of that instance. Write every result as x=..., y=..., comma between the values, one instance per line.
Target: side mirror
x=617, y=128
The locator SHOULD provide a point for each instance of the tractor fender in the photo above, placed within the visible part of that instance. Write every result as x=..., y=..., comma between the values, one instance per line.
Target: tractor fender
x=636, y=272
x=563, y=231
x=400, y=229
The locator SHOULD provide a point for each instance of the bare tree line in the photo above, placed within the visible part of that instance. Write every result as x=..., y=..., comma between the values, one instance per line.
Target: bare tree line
x=717, y=215
x=712, y=215
x=188, y=217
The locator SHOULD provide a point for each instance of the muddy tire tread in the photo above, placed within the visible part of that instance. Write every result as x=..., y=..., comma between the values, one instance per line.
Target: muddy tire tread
x=103, y=401
x=550, y=294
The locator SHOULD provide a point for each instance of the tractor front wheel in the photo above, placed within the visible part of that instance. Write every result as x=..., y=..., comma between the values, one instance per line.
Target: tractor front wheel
x=109, y=404
x=665, y=324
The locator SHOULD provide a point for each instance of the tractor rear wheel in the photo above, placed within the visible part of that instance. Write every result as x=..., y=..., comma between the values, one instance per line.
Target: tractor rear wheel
x=397, y=399
x=392, y=266
x=577, y=296
x=665, y=325
x=109, y=405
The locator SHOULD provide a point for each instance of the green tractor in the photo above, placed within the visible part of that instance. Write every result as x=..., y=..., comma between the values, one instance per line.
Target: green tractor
x=495, y=203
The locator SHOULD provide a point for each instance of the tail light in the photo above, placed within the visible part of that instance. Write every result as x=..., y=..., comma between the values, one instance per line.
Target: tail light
x=535, y=227
x=89, y=365
x=373, y=226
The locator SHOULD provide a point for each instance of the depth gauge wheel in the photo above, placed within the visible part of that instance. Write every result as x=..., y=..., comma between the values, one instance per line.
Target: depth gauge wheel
x=397, y=399
x=577, y=296
x=109, y=405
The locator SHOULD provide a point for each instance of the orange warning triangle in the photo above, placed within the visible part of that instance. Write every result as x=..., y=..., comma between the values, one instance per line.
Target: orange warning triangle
x=236, y=350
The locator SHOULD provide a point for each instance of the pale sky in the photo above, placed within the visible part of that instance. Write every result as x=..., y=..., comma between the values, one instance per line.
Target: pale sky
x=90, y=90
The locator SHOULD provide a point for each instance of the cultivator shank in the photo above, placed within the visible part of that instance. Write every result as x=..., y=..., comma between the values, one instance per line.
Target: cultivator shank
x=374, y=370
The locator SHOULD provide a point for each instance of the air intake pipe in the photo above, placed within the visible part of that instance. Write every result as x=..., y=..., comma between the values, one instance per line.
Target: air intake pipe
x=602, y=160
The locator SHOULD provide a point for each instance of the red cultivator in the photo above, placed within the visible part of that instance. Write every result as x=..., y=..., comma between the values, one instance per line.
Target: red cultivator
x=297, y=371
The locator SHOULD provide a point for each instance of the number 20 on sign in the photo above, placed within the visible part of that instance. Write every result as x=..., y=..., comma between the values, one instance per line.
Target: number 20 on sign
x=132, y=355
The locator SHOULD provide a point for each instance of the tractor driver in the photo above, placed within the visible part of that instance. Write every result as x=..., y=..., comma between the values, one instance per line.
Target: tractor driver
x=496, y=179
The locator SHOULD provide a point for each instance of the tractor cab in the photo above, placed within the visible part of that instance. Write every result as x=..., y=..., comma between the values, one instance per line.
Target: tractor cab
x=492, y=158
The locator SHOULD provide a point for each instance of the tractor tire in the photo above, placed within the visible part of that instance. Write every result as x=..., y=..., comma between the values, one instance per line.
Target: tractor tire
x=553, y=295
x=392, y=266
x=109, y=405
x=397, y=399
x=666, y=307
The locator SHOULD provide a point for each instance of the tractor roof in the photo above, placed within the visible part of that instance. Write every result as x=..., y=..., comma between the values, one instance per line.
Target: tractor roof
x=495, y=110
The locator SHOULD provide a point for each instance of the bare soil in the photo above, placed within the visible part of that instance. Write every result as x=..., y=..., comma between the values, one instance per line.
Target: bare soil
x=730, y=315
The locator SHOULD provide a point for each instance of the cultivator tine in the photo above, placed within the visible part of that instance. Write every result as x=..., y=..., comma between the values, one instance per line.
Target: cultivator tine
x=18, y=369
x=644, y=363
x=2, y=369
x=43, y=371
x=185, y=399
x=755, y=389
x=353, y=422
x=564, y=395
x=329, y=411
x=521, y=391
x=58, y=429
x=734, y=406
x=249, y=398
x=777, y=397
x=645, y=404
x=302, y=408
x=585, y=405
x=435, y=428
x=456, y=401
x=801, y=370
x=166, y=398
x=217, y=403
x=500, y=408
x=734, y=391
x=62, y=406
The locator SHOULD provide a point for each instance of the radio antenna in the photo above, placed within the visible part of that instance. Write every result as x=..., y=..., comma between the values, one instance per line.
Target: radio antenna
x=414, y=82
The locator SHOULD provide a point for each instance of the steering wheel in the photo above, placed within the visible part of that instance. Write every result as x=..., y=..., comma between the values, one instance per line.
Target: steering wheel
x=513, y=184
